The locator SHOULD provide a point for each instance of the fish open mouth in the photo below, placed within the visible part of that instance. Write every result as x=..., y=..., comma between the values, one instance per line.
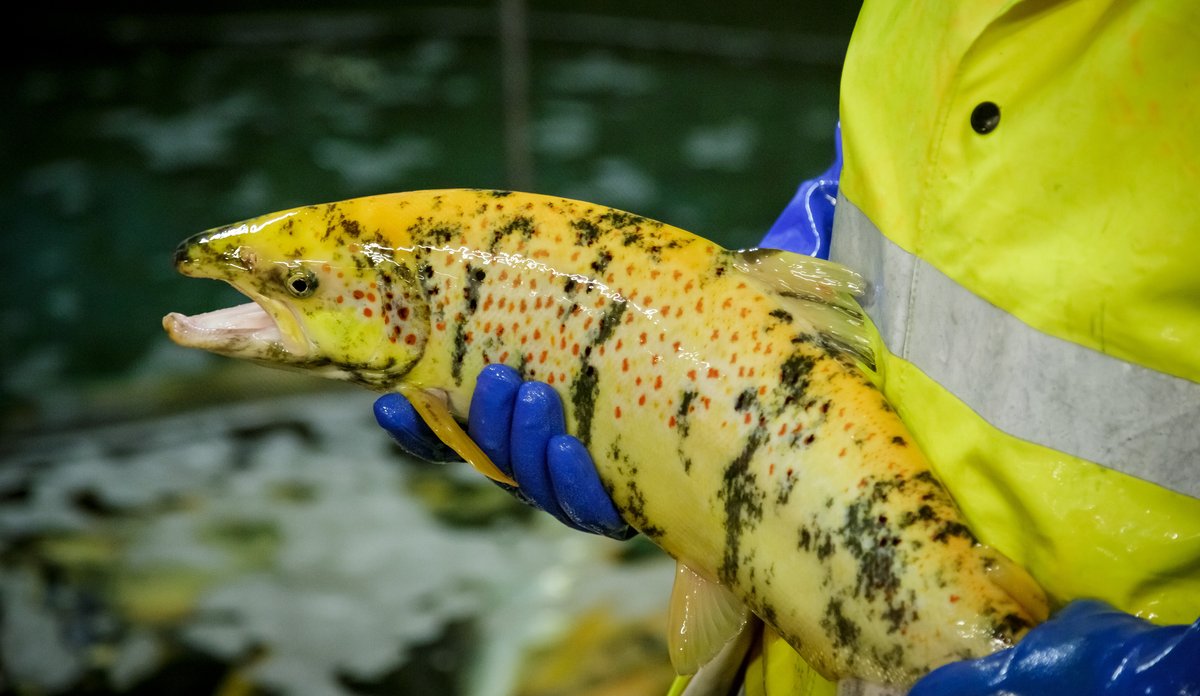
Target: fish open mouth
x=246, y=330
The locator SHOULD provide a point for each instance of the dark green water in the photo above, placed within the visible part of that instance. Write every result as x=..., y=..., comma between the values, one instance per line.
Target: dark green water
x=126, y=132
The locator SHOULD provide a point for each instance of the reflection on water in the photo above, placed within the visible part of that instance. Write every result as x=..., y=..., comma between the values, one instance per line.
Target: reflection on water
x=173, y=522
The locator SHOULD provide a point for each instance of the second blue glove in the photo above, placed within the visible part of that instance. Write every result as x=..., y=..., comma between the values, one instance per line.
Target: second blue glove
x=510, y=417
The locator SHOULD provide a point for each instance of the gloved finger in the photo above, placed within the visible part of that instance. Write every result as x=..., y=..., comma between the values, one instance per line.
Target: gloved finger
x=397, y=416
x=967, y=678
x=489, y=422
x=537, y=417
x=579, y=491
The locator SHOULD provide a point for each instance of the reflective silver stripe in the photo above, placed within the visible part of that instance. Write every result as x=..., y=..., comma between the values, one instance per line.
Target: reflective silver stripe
x=1027, y=383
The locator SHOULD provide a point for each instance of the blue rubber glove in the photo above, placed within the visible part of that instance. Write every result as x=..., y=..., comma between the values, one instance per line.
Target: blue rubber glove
x=806, y=224
x=553, y=470
x=1087, y=648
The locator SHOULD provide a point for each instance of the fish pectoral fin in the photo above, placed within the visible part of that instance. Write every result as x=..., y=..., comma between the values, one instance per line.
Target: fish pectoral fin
x=436, y=413
x=703, y=618
x=819, y=292
x=1018, y=583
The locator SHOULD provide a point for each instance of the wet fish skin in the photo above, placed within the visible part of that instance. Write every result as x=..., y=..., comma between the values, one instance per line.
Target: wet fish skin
x=721, y=395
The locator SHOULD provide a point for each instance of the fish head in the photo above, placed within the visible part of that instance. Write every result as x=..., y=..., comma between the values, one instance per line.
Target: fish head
x=329, y=294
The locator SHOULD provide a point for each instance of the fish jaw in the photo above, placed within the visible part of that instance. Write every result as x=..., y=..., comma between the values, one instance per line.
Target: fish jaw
x=246, y=331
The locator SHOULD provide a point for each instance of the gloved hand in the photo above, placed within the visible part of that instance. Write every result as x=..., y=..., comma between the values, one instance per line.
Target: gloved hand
x=806, y=224
x=1087, y=648
x=520, y=426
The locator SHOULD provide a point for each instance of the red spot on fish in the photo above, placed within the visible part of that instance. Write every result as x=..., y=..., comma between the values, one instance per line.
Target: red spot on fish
x=727, y=303
x=370, y=297
x=620, y=343
x=747, y=419
x=658, y=382
x=953, y=599
x=367, y=311
x=713, y=373
x=340, y=299
x=410, y=339
x=642, y=339
x=441, y=326
x=624, y=364
x=671, y=422
x=542, y=357
x=842, y=453
x=550, y=379
x=676, y=345
x=691, y=375
x=642, y=400
x=503, y=275
x=575, y=349
x=617, y=411
x=783, y=430
x=847, y=426
x=358, y=294
x=771, y=469
x=404, y=313
x=537, y=334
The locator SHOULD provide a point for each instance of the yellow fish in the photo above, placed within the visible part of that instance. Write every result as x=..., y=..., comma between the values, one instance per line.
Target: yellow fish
x=722, y=394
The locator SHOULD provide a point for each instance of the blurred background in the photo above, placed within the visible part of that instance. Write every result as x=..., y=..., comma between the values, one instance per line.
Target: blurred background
x=171, y=521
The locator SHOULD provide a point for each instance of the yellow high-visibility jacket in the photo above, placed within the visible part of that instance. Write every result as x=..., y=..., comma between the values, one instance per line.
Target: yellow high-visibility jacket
x=1022, y=187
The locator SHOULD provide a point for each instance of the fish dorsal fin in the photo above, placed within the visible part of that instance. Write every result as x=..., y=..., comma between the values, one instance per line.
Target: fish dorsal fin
x=703, y=617
x=436, y=414
x=821, y=292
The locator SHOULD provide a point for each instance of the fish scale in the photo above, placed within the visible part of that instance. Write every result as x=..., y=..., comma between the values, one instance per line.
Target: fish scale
x=722, y=395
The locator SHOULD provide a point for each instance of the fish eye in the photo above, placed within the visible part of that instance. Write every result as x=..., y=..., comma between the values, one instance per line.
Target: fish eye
x=301, y=283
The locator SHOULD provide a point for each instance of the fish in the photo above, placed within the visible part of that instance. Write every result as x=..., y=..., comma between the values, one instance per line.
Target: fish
x=727, y=397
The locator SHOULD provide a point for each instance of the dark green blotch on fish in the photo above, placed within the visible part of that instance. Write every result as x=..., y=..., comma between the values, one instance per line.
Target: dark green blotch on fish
x=745, y=400
x=794, y=377
x=584, y=389
x=954, y=529
x=682, y=423
x=586, y=232
x=844, y=631
x=602, y=261
x=743, y=504
x=609, y=322
x=520, y=224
